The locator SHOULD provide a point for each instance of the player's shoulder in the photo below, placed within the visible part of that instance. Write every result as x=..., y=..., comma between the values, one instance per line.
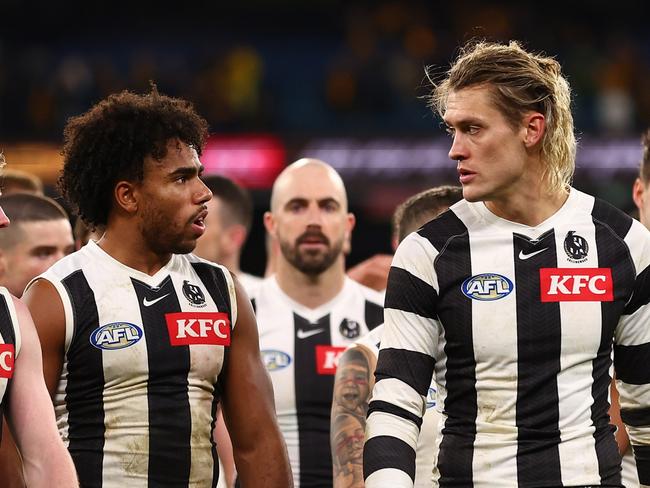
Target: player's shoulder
x=613, y=218
x=371, y=340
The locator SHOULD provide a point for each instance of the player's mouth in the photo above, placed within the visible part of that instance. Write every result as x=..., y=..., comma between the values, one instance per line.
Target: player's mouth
x=198, y=224
x=313, y=240
x=465, y=176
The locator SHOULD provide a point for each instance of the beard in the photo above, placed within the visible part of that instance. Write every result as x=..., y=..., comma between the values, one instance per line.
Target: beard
x=161, y=237
x=311, y=262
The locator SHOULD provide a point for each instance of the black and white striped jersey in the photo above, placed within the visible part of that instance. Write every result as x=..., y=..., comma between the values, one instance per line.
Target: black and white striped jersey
x=518, y=323
x=300, y=348
x=9, y=346
x=140, y=382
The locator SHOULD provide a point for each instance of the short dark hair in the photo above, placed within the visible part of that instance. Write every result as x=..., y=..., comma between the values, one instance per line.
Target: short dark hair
x=111, y=140
x=15, y=180
x=236, y=199
x=422, y=207
x=644, y=170
x=24, y=208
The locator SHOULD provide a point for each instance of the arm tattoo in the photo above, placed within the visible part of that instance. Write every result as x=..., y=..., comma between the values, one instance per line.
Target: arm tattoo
x=352, y=389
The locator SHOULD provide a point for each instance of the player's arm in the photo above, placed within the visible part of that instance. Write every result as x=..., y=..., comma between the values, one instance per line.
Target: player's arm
x=45, y=459
x=373, y=272
x=622, y=439
x=249, y=410
x=352, y=389
x=46, y=309
x=632, y=354
x=404, y=367
x=11, y=466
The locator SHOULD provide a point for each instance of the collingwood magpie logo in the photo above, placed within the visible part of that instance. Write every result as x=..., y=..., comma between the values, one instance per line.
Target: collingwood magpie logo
x=194, y=294
x=576, y=247
x=350, y=328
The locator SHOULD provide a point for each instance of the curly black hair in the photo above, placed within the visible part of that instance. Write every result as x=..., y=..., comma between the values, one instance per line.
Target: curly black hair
x=110, y=141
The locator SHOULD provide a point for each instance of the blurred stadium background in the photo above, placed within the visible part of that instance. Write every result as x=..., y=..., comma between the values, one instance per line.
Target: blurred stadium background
x=341, y=81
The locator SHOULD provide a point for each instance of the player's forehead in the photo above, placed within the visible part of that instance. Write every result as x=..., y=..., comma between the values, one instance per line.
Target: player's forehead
x=311, y=182
x=469, y=104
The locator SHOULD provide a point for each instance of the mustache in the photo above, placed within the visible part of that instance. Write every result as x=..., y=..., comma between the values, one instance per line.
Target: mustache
x=312, y=235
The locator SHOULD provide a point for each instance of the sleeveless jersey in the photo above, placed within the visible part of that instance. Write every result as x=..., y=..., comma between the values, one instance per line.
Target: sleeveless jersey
x=9, y=346
x=425, y=454
x=140, y=381
x=518, y=323
x=300, y=348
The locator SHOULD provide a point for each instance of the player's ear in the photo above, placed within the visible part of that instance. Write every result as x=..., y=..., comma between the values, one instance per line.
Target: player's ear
x=269, y=223
x=126, y=196
x=535, y=127
x=351, y=221
x=638, y=193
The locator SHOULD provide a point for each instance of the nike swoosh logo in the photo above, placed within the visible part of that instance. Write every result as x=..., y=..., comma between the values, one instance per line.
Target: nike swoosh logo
x=528, y=256
x=148, y=303
x=303, y=334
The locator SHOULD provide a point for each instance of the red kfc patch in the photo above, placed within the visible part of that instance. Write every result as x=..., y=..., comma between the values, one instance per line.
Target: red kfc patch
x=191, y=328
x=327, y=358
x=576, y=284
x=7, y=353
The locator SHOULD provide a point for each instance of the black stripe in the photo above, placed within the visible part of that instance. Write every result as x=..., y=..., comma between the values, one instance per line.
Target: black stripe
x=439, y=230
x=388, y=452
x=631, y=363
x=613, y=254
x=8, y=335
x=640, y=294
x=638, y=417
x=313, y=404
x=413, y=368
x=254, y=305
x=170, y=424
x=454, y=310
x=215, y=282
x=385, y=407
x=85, y=385
x=539, y=346
x=619, y=222
x=642, y=456
x=409, y=293
x=374, y=314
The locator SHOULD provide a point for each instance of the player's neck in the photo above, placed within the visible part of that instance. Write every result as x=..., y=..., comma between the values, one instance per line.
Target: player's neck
x=531, y=207
x=130, y=249
x=308, y=290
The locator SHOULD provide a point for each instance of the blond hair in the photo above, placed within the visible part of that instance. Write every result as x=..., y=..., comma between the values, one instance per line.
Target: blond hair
x=519, y=82
x=644, y=170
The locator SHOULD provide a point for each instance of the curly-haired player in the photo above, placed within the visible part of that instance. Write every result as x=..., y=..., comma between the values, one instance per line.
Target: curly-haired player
x=142, y=340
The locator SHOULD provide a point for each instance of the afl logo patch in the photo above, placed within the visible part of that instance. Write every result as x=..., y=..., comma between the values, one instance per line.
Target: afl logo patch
x=275, y=360
x=194, y=294
x=487, y=287
x=431, y=398
x=576, y=247
x=117, y=335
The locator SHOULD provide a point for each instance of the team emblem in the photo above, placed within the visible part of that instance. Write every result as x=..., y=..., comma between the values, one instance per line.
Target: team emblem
x=487, y=287
x=350, y=328
x=576, y=247
x=116, y=335
x=194, y=294
x=275, y=360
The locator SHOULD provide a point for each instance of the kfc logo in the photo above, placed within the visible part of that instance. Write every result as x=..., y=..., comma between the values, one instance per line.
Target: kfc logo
x=191, y=328
x=327, y=358
x=6, y=360
x=576, y=285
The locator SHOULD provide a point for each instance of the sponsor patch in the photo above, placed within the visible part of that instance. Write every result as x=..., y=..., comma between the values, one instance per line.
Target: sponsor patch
x=191, y=328
x=327, y=358
x=487, y=287
x=275, y=360
x=116, y=335
x=7, y=352
x=576, y=285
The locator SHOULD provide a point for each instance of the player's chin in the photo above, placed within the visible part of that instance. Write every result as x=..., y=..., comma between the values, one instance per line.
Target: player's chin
x=184, y=247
